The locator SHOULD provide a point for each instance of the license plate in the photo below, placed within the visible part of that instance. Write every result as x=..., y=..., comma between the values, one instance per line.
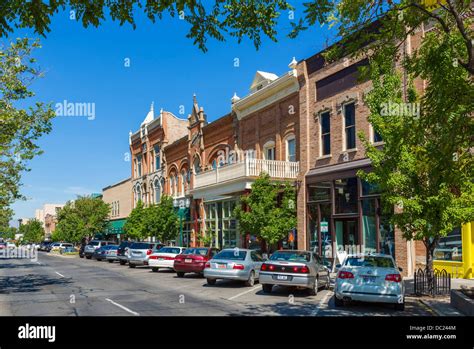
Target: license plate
x=188, y=260
x=368, y=279
x=282, y=277
x=221, y=266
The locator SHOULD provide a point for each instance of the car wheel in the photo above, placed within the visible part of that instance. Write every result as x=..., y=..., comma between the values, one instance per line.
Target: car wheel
x=313, y=291
x=211, y=281
x=111, y=261
x=88, y=257
x=154, y=269
x=180, y=274
x=81, y=256
x=122, y=262
x=132, y=265
x=99, y=260
x=400, y=306
x=251, y=281
x=267, y=288
x=338, y=302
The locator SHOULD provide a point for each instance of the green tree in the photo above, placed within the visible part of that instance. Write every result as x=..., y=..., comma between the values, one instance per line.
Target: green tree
x=8, y=232
x=82, y=218
x=19, y=128
x=32, y=231
x=272, y=210
x=161, y=220
x=135, y=226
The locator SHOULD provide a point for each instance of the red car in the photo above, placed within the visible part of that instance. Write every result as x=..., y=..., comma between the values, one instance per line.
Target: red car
x=193, y=260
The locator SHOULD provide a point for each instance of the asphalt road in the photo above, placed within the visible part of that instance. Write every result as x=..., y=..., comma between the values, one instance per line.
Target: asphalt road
x=69, y=286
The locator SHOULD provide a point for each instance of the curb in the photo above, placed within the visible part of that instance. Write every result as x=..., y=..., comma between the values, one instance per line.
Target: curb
x=430, y=308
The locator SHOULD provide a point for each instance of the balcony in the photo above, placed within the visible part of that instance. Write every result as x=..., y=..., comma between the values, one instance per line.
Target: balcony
x=247, y=169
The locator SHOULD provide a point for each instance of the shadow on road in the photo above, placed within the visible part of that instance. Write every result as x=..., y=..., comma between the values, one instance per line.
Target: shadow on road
x=28, y=283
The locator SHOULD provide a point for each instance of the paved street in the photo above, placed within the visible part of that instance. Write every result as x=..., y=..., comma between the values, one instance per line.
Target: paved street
x=70, y=286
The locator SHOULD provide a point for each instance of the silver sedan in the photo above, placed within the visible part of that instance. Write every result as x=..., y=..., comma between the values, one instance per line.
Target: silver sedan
x=302, y=269
x=234, y=264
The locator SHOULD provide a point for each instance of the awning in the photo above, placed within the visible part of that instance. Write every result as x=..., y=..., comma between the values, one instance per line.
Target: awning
x=115, y=226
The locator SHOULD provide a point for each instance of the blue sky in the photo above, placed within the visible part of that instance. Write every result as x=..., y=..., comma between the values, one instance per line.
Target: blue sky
x=83, y=156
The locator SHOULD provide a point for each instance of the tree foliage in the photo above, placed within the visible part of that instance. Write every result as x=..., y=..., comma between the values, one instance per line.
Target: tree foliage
x=425, y=167
x=161, y=220
x=81, y=218
x=135, y=226
x=19, y=128
x=32, y=231
x=272, y=210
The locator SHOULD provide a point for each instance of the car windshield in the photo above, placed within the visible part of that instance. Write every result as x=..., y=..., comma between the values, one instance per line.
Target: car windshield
x=140, y=246
x=94, y=243
x=291, y=256
x=170, y=250
x=198, y=251
x=370, y=261
x=233, y=255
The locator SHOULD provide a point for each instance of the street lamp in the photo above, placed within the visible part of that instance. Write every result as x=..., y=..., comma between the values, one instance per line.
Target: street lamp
x=182, y=205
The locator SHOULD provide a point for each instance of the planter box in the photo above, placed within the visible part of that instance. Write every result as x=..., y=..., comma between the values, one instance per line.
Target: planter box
x=462, y=302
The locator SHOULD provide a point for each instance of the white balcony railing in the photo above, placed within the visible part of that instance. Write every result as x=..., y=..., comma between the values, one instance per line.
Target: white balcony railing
x=247, y=168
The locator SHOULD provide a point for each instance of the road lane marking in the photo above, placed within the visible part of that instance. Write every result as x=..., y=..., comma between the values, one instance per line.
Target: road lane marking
x=323, y=301
x=122, y=307
x=61, y=275
x=241, y=294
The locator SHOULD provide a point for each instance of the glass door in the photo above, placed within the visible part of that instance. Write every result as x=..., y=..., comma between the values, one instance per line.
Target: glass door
x=347, y=234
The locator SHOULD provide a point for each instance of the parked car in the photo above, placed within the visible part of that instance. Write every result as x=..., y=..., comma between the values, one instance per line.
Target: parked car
x=193, y=260
x=102, y=252
x=43, y=245
x=164, y=257
x=67, y=249
x=303, y=269
x=81, y=250
x=123, y=251
x=57, y=246
x=139, y=252
x=93, y=245
x=11, y=245
x=234, y=264
x=370, y=278
x=111, y=253
x=48, y=247
x=3, y=247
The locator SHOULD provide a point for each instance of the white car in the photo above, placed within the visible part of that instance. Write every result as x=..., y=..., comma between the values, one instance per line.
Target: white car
x=60, y=245
x=370, y=278
x=164, y=257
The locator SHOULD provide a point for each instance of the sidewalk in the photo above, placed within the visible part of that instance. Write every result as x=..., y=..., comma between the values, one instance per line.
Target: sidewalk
x=440, y=306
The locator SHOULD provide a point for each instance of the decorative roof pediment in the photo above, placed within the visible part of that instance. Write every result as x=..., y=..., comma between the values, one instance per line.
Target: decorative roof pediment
x=262, y=79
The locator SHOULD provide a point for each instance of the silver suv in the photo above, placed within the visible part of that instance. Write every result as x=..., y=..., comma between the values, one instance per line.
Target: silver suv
x=139, y=252
x=93, y=245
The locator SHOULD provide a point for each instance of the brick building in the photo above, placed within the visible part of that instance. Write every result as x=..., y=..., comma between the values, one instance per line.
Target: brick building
x=337, y=211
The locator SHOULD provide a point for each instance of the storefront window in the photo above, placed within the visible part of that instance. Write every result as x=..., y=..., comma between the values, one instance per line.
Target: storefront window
x=313, y=227
x=345, y=195
x=320, y=191
x=369, y=189
x=369, y=226
x=449, y=248
x=326, y=240
x=387, y=238
x=229, y=225
x=211, y=222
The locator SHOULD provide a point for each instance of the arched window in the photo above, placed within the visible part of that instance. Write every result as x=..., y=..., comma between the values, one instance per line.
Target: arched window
x=291, y=148
x=172, y=185
x=139, y=194
x=197, y=166
x=157, y=187
x=183, y=182
x=269, y=150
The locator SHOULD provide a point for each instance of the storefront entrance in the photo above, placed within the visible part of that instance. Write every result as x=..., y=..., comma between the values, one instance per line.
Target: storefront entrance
x=347, y=234
x=221, y=224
